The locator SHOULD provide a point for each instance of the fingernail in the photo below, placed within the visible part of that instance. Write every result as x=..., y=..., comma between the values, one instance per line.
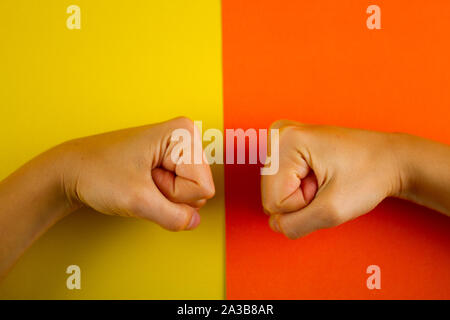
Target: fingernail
x=273, y=222
x=195, y=221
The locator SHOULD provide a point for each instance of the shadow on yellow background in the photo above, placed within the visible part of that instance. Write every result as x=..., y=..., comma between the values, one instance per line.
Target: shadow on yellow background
x=132, y=63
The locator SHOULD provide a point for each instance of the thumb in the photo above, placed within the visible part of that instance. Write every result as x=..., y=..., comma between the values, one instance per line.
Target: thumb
x=321, y=213
x=191, y=182
x=293, y=186
x=153, y=205
x=179, y=189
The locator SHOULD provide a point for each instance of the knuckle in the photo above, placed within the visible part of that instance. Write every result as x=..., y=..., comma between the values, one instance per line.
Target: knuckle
x=269, y=206
x=179, y=221
x=277, y=124
x=184, y=122
x=273, y=205
x=268, y=200
x=290, y=136
x=199, y=203
x=284, y=123
x=207, y=191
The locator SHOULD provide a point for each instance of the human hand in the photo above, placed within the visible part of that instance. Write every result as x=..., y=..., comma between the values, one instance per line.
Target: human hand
x=131, y=173
x=328, y=175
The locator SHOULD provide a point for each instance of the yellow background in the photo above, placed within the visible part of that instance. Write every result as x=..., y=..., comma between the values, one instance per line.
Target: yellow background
x=132, y=63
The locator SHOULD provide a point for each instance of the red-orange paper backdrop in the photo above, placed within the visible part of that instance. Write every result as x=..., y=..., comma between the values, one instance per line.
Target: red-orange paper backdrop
x=317, y=62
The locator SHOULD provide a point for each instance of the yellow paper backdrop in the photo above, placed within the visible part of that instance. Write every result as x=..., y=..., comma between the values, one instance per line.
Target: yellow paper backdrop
x=132, y=63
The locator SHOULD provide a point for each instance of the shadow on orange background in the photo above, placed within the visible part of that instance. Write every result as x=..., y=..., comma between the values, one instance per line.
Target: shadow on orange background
x=317, y=62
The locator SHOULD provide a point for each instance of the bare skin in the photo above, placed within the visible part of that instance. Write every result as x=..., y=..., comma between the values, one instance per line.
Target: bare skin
x=330, y=175
x=125, y=173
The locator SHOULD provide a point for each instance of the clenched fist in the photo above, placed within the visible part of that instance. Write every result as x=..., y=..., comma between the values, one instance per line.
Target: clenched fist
x=131, y=172
x=146, y=172
x=329, y=175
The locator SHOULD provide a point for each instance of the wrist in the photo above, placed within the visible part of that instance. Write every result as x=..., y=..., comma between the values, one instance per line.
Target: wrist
x=399, y=145
x=31, y=201
x=59, y=159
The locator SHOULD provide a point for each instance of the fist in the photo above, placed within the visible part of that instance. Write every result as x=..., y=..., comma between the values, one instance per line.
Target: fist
x=132, y=172
x=327, y=176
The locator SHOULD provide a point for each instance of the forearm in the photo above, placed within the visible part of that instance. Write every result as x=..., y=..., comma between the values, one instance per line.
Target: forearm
x=425, y=172
x=31, y=201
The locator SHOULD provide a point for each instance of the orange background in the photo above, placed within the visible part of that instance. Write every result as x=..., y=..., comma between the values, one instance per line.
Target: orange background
x=317, y=62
